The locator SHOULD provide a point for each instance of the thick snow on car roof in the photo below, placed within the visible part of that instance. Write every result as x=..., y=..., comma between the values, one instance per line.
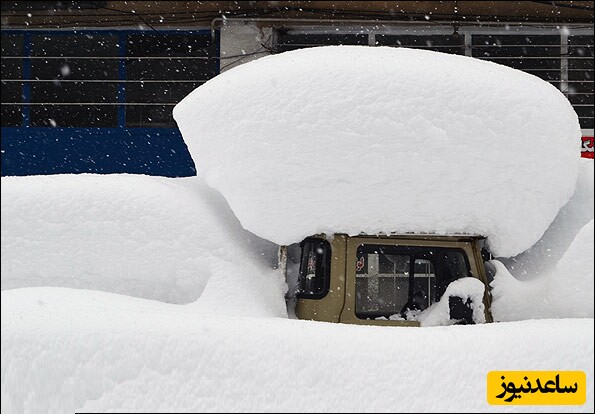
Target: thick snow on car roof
x=356, y=139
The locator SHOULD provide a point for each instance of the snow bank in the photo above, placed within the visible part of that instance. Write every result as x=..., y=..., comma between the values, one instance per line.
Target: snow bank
x=466, y=288
x=566, y=291
x=67, y=350
x=544, y=255
x=359, y=139
x=172, y=240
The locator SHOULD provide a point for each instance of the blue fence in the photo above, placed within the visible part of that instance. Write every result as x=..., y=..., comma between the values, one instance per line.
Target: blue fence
x=152, y=151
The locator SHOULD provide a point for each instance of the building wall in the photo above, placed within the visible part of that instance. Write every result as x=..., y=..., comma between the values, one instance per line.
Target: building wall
x=242, y=42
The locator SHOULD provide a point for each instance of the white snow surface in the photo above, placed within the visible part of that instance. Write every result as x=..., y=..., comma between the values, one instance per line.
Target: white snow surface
x=171, y=240
x=177, y=309
x=544, y=254
x=466, y=288
x=67, y=350
x=564, y=291
x=356, y=139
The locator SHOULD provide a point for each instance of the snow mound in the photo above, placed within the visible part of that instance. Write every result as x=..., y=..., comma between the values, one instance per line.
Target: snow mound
x=171, y=240
x=565, y=291
x=544, y=255
x=358, y=139
x=71, y=350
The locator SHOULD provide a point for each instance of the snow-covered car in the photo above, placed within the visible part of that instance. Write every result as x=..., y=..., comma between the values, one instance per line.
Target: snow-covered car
x=401, y=160
x=393, y=280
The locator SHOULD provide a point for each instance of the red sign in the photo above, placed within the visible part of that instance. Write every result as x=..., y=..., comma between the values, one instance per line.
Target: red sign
x=587, y=148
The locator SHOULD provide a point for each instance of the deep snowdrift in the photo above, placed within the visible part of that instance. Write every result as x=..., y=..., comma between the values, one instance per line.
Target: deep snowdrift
x=66, y=350
x=171, y=240
x=176, y=241
x=359, y=139
x=565, y=291
x=544, y=255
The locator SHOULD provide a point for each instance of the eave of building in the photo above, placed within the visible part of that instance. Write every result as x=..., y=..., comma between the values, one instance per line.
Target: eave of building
x=191, y=13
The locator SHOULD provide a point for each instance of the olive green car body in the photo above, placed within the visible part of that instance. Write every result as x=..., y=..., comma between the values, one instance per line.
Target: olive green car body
x=338, y=305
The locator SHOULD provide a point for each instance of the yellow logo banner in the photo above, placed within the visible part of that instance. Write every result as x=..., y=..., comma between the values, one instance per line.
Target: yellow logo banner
x=537, y=387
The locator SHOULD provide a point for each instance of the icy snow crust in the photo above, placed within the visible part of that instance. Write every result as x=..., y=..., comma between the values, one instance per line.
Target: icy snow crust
x=358, y=139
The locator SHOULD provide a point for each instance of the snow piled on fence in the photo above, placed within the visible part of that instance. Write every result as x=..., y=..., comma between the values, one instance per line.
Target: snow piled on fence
x=356, y=139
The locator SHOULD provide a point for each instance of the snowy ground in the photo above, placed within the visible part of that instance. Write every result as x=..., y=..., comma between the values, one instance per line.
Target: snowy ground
x=151, y=347
x=66, y=350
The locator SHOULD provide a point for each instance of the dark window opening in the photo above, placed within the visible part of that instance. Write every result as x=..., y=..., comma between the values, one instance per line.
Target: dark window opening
x=12, y=116
x=564, y=60
x=454, y=44
x=81, y=116
x=12, y=75
x=111, y=78
x=539, y=55
x=291, y=41
x=161, y=70
x=150, y=116
x=398, y=282
x=579, y=88
x=314, y=276
x=79, y=44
